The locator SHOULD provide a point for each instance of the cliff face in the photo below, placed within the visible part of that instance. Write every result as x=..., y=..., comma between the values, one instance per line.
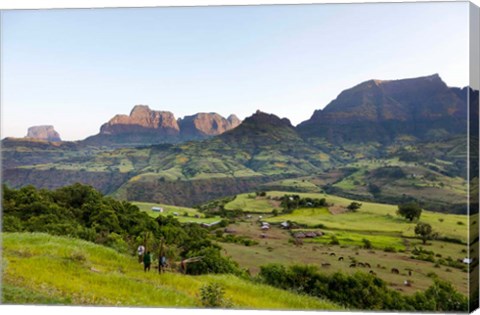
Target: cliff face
x=206, y=124
x=382, y=110
x=145, y=127
x=45, y=133
x=142, y=119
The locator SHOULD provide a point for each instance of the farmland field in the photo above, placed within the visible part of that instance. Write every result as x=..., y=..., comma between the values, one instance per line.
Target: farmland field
x=391, y=240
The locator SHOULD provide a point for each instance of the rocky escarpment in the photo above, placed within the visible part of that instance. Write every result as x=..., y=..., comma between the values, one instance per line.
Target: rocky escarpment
x=145, y=127
x=44, y=133
x=142, y=120
x=202, y=125
x=383, y=110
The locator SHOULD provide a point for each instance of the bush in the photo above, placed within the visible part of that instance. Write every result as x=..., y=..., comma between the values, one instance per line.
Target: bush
x=390, y=249
x=213, y=295
x=334, y=240
x=367, y=244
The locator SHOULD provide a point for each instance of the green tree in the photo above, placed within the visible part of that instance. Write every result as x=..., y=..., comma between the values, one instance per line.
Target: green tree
x=354, y=206
x=424, y=230
x=410, y=211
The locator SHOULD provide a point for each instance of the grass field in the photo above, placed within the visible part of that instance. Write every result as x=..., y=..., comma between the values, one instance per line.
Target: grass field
x=391, y=237
x=276, y=247
x=39, y=268
x=251, y=203
x=171, y=210
x=370, y=217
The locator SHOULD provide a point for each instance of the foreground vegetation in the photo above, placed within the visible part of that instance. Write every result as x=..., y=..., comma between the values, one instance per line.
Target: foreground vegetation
x=43, y=269
x=228, y=257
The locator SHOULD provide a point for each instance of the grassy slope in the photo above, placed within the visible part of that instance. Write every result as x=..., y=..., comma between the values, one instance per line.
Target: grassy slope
x=39, y=268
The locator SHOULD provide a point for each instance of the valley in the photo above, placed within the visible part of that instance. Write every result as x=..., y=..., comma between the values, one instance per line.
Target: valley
x=370, y=190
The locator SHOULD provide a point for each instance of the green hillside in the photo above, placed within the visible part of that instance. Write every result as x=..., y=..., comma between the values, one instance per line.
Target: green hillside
x=40, y=268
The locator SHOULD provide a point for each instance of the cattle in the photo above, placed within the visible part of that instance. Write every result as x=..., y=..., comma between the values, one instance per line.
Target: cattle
x=372, y=272
x=360, y=264
x=340, y=258
x=367, y=265
x=332, y=254
x=395, y=271
x=326, y=264
x=353, y=265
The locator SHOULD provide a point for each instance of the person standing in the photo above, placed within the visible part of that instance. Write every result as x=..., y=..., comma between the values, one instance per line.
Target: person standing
x=140, y=252
x=147, y=261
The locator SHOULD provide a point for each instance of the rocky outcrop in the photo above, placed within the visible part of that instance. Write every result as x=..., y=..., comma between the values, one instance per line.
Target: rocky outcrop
x=44, y=133
x=142, y=120
x=380, y=111
x=202, y=125
x=146, y=127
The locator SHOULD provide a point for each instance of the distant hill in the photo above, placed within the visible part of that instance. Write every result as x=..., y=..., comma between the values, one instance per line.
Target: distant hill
x=145, y=127
x=425, y=108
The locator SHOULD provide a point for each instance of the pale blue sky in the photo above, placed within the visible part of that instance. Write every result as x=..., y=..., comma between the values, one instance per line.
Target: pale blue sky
x=75, y=69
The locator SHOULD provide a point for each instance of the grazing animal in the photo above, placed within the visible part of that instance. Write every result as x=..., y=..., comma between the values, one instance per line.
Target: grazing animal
x=372, y=272
x=353, y=265
x=378, y=266
x=332, y=254
x=360, y=264
x=367, y=265
x=326, y=265
x=409, y=272
x=340, y=258
x=395, y=271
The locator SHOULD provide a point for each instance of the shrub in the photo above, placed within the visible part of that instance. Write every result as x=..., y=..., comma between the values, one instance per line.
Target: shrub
x=367, y=244
x=213, y=295
x=334, y=240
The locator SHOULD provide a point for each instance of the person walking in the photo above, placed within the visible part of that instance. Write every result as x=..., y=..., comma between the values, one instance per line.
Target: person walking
x=147, y=261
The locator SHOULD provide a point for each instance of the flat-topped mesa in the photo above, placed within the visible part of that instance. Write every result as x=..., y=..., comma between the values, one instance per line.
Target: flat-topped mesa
x=142, y=120
x=381, y=110
x=44, y=133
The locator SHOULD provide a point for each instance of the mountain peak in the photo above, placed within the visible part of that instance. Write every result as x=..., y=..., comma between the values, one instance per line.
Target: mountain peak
x=270, y=119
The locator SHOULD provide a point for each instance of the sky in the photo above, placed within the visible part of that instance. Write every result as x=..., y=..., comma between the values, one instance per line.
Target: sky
x=76, y=69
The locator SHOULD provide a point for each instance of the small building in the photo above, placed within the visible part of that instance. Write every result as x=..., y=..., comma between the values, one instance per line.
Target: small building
x=285, y=225
x=157, y=209
x=175, y=214
x=467, y=261
x=310, y=234
x=265, y=227
x=265, y=223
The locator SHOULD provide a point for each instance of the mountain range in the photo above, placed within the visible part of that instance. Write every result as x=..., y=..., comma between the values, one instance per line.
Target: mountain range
x=145, y=126
x=151, y=156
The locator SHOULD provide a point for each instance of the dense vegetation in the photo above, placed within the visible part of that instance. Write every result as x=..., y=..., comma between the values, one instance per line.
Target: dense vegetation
x=82, y=212
x=362, y=290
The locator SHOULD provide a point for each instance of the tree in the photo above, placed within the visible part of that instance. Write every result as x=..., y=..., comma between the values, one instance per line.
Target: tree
x=410, y=211
x=424, y=230
x=354, y=206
